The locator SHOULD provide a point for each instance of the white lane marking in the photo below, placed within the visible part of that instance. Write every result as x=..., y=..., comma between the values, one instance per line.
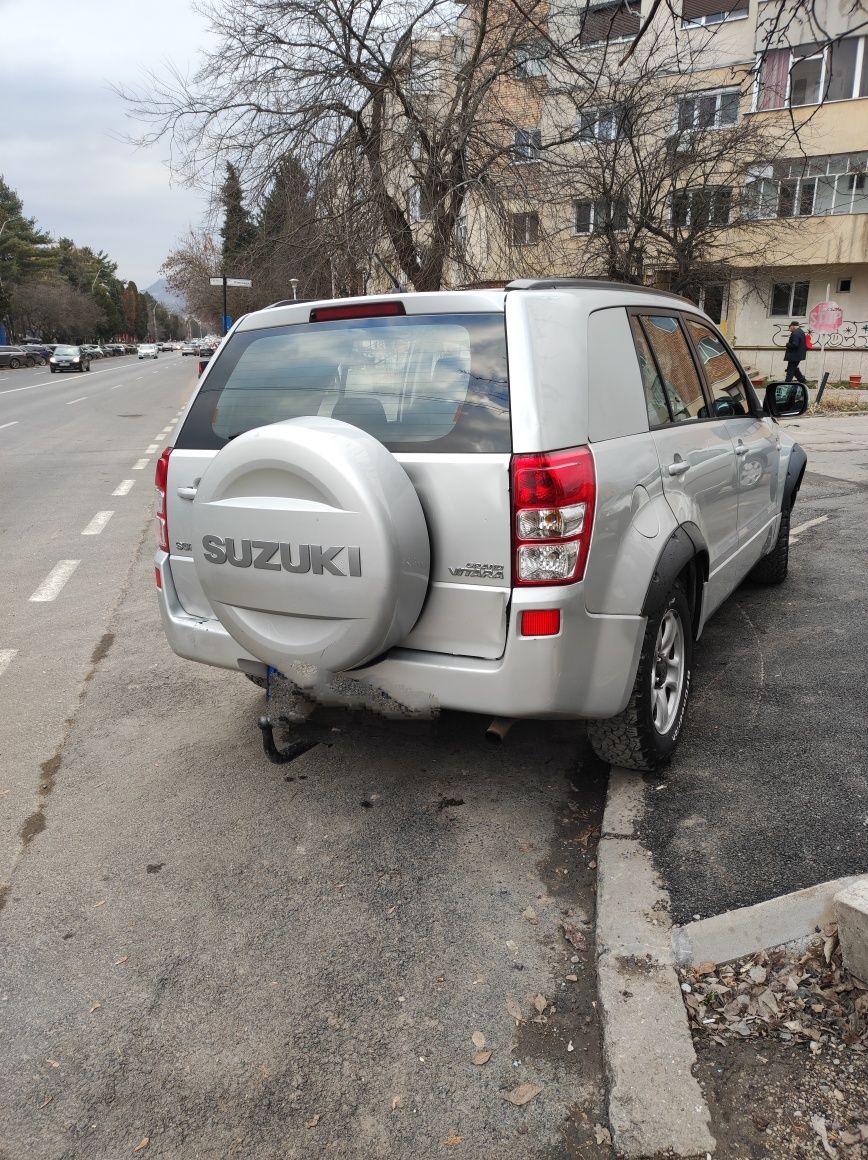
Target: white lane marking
x=124, y=487
x=794, y=532
x=97, y=524
x=69, y=402
x=56, y=379
x=150, y=450
x=140, y=465
x=53, y=583
x=7, y=656
x=12, y=424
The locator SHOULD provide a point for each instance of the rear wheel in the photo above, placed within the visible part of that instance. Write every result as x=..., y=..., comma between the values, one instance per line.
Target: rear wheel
x=53, y=370
x=15, y=363
x=645, y=734
x=772, y=569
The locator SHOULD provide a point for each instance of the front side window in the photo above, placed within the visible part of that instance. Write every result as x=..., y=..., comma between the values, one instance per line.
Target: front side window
x=675, y=366
x=420, y=382
x=723, y=376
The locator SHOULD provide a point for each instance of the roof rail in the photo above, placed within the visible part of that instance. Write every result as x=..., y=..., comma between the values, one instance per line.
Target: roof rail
x=588, y=284
x=282, y=302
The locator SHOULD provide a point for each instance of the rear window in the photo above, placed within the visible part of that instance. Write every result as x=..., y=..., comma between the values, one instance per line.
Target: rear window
x=435, y=382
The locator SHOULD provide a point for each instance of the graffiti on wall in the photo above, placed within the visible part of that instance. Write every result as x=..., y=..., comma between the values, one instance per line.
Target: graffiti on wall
x=848, y=336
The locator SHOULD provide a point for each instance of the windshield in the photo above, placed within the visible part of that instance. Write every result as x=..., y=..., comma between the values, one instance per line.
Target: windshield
x=417, y=383
x=66, y=350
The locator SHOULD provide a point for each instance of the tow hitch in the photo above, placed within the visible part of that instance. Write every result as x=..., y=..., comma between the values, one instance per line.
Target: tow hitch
x=290, y=751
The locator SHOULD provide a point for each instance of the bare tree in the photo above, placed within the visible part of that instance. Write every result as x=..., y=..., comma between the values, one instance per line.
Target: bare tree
x=54, y=310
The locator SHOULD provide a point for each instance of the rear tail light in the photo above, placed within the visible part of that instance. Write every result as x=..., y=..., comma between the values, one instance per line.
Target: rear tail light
x=553, y=500
x=161, y=479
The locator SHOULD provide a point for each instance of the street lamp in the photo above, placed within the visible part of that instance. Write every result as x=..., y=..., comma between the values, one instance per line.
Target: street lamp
x=154, y=314
x=294, y=284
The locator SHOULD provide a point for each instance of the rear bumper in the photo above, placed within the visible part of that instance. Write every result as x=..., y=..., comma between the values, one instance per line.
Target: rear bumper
x=587, y=670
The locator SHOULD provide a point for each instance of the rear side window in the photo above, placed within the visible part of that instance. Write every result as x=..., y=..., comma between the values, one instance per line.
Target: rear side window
x=676, y=367
x=417, y=383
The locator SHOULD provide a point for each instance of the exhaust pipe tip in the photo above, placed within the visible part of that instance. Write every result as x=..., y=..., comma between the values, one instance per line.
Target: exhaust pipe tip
x=498, y=729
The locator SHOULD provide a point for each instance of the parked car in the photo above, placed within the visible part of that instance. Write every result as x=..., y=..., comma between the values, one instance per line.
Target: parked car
x=69, y=358
x=92, y=350
x=16, y=356
x=313, y=516
x=189, y=348
x=41, y=353
x=148, y=350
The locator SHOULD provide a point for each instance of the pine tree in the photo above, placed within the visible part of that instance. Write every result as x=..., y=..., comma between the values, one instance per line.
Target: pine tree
x=238, y=232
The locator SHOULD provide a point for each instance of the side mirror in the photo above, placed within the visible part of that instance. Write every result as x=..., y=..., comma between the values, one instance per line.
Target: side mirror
x=786, y=400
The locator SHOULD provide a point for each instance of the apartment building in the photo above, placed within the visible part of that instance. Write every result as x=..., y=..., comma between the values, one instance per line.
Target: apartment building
x=775, y=112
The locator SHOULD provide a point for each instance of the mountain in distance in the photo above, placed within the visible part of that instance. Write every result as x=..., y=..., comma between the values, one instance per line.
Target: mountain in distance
x=167, y=297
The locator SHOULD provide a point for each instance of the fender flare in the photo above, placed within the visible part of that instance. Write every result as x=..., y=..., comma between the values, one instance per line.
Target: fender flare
x=684, y=545
x=795, y=470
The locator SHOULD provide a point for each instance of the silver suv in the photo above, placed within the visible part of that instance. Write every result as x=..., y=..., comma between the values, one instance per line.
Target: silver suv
x=523, y=502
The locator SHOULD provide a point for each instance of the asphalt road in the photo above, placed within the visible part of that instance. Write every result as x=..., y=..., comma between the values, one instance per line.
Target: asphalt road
x=230, y=958
x=769, y=790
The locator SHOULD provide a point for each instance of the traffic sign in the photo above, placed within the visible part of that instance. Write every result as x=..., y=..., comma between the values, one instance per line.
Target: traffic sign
x=245, y=282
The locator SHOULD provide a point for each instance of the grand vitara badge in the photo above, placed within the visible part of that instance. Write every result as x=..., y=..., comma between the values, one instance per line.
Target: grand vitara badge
x=271, y=556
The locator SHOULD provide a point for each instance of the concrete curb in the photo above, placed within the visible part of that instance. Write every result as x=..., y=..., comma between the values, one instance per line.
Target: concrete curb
x=790, y=918
x=655, y=1103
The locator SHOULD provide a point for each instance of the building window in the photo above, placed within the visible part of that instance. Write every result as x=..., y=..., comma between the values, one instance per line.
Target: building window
x=810, y=74
x=420, y=205
x=711, y=206
x=701, y=12
x=711, y=110
x=818, y=186
x=530, y=59
x=526, y=145
x=601, y=124
x=844, y=285
x=712, y=299
x=610, y=23
x=525, y=229
x=790, y=299
x=603, y=213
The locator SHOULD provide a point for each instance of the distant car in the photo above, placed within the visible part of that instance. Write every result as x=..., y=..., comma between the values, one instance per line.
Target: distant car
x=113, y=349
x=93, y=351
x=165, y=346
x=69, y=358
x=189, y=348
x=15, y=356
x=148, y=350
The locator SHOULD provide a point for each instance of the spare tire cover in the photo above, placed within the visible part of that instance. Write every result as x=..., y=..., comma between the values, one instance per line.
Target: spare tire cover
x=310, y=543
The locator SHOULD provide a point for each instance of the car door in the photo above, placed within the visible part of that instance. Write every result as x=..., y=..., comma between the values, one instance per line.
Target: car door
x=755, y=437
x=696, y=454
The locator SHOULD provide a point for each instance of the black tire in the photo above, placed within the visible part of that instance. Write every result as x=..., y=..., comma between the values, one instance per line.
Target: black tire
x=53, y=370
x=772, y=569
x=632, y=739
x=87, y=368
x=14, y=364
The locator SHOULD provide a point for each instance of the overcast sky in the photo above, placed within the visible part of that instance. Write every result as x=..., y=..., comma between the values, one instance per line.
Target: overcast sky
x=60, y=123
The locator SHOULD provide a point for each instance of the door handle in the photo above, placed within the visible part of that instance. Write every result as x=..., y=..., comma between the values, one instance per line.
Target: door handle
x=740, y=448
x=187, y=492
x=678, y=467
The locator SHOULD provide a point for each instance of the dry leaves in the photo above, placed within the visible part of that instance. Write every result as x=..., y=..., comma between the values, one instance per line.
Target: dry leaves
x=120, y=962
x=453, y=1141
x=397, y=1102
x=313, y=1121
x=142, y=1144
x=540, y=1002
x=530, y=914
x=807, y=998
x=481, y=1057
x=819, y=1126
x=52, y=1063
x=478, y=1039
x=602, y=1134
x=513, y=1008
x=523, y=1094
x=573, y=935
x=95, y=1007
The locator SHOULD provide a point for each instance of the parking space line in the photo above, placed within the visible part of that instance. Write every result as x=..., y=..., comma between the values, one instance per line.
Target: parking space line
x=794, y=532
x=124, y=487
x=97, y=524
x=12, y=424
x=150, y=450
x=7, y=656
x=140, y=464
x=69, y=402
x=52, y=585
